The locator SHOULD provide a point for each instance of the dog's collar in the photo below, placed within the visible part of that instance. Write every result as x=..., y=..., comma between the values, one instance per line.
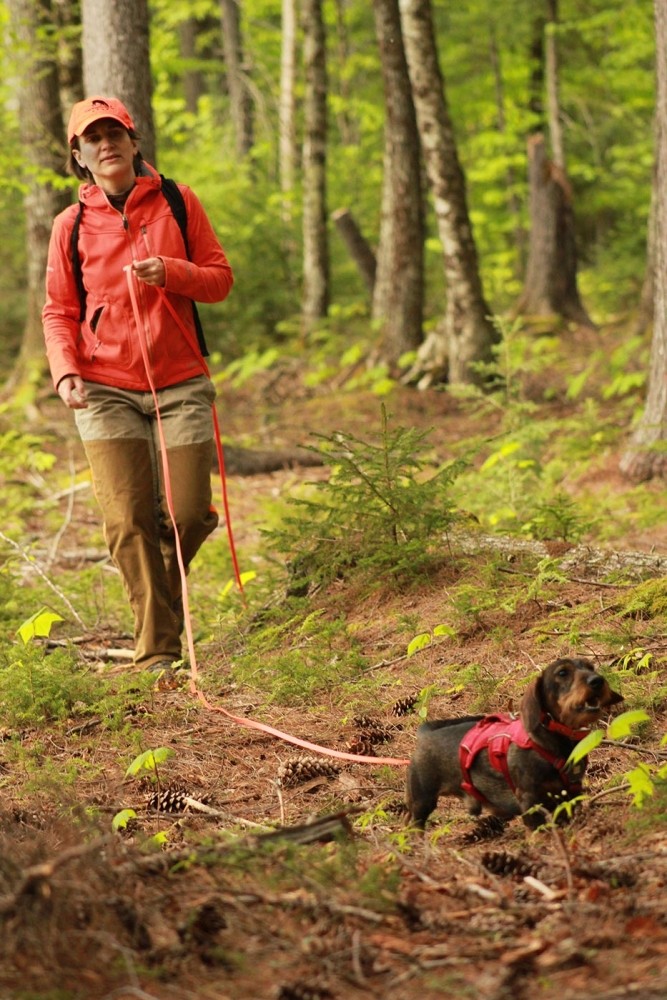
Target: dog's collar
x=552, y=726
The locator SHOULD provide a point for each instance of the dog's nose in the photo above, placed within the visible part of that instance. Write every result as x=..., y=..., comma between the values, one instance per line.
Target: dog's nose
x=595, y=682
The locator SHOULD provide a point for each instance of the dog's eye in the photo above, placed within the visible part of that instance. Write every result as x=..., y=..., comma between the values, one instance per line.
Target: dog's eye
x=563, y=672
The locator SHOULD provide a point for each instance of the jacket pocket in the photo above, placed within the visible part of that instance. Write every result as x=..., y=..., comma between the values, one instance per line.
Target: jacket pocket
x=106, y=338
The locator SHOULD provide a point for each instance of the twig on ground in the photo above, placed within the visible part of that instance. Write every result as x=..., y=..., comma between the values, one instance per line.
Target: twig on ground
x=650, y=752
x=68, y=514
x=562, y=850
x=35, y=565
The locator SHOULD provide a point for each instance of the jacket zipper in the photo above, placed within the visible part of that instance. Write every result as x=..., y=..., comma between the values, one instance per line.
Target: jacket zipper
x=144, y=315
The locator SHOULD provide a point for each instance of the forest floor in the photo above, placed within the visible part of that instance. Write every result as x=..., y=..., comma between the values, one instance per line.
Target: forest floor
x=358, y=907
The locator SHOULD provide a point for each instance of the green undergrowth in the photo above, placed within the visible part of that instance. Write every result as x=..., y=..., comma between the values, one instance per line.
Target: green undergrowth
x=38, y=688
x=298, y=653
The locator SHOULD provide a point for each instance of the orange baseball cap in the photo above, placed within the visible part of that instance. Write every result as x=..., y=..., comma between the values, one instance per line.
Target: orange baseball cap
x=84, y=113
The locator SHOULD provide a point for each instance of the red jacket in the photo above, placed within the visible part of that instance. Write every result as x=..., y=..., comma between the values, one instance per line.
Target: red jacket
x=105, y=347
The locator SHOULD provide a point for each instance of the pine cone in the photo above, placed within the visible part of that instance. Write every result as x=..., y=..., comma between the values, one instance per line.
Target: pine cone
x=304, y=991
x=362, y=746
x=168, y=800
x=487, y=828
x=374, y=736
x=405, y=705
x=367, y=722
x=292, y=772
x=502, y=863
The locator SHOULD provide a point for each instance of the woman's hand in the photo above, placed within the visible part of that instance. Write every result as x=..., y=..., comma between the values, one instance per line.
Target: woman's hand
x=151, y=271
x=72, y=391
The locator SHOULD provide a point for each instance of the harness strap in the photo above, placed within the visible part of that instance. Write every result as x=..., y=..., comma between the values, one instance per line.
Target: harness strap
x=495, y=734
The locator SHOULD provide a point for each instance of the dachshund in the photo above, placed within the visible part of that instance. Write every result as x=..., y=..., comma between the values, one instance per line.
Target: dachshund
x=512, y=766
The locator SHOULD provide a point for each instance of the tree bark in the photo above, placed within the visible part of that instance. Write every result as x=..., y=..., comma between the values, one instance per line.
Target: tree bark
x=193, y=82
x=315, y=304
x=357, y=244
x=239, y=94
x=550, y=287
x=116, y=60
x=70, y=57
x=647, y=294
x=287, y=107
x=646, y=455
x=42, y=138
x=398, y=294
x=467, y=335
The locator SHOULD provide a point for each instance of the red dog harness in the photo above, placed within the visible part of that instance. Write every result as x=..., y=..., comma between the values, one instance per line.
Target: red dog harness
x=495, y=734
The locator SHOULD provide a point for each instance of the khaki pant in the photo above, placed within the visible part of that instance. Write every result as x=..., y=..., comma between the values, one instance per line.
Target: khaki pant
x=120, y=435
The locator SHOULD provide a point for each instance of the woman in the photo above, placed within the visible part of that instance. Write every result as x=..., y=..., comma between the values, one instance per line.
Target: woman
x=99, y=350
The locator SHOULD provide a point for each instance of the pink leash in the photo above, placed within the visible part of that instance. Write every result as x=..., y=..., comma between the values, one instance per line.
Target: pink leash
x=194, y=672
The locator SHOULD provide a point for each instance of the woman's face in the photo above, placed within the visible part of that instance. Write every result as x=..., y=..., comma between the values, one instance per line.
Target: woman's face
x=107, y=150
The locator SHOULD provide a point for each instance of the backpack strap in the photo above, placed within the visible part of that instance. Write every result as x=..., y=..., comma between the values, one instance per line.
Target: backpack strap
x=76, y=263
x=176, y=202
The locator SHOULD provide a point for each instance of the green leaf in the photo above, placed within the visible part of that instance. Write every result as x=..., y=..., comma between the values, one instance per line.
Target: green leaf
x=584, y=747
x=122, y=818
x=245, y=578
x=38, y=624
x=641, y=785
x=157, y=841
x=148, y=761
x=444, y=630
x=419, y=642
x=623, y=724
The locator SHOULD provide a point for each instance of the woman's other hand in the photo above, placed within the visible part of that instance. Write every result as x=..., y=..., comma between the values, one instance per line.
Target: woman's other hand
x=72, y=391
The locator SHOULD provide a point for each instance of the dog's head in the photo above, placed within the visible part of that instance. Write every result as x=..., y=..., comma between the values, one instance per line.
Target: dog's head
x=571, y=693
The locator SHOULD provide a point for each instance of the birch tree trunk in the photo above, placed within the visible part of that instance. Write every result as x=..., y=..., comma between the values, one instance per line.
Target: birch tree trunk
x=398, y=292
x=315, y=304
x=43, y=142
x=467, y=334
x=239, y=94
x=646, y=455
x=116, y=60
x=287, y=107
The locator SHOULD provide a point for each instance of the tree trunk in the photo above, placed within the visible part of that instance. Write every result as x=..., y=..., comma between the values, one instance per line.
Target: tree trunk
x=398, y=294
x=647, y=294
x=551, y=274
x=193, y=81
x=287, y=108
x=357, y=244
x=237, y=77
x=467, y=334
x=348, y=126
x=553, y=99
x=513, y=202
x=70, y=57
x=315, y=303
x=550, y=286
x=42, y=138
x=116, y=60
x=646, y=455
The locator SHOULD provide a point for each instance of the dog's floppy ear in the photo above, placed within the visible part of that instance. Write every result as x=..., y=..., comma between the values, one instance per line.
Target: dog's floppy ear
x=531, y=705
